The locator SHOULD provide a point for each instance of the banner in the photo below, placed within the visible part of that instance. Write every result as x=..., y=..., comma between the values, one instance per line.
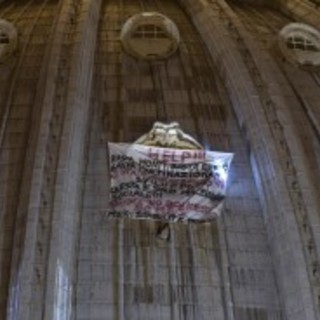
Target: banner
x=166, y=184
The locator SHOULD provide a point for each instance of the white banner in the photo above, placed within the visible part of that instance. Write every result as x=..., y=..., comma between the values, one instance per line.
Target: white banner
x=167, y=184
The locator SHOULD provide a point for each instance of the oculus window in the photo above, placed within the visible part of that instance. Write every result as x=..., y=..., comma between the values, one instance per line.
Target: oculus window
x=150, y=36
x=8, y=40
x=300, y=44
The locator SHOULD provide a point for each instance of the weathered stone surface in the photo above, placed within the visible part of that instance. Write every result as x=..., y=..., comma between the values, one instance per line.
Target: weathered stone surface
x=71, y=88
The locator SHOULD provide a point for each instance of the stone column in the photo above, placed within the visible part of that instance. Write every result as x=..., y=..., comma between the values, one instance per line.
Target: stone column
x=67, y=200
x=42, y=276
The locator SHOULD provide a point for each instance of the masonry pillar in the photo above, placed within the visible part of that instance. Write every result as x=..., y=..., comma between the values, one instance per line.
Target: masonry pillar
x=42, y=276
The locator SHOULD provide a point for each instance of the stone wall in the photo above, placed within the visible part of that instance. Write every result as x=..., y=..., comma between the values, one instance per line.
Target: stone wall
x=263, y=100
x=71, y=88
x=203, y=271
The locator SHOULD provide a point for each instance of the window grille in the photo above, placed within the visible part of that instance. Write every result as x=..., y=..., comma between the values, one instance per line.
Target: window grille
x=300, y=44
x=150, y=35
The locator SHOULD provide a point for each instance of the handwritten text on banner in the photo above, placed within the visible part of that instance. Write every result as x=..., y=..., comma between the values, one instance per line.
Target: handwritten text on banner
x=167, y=184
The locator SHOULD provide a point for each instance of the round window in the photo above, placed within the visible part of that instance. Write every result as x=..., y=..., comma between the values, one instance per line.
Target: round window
x=150, y=35
x=300, y=44
x=8, y=40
